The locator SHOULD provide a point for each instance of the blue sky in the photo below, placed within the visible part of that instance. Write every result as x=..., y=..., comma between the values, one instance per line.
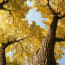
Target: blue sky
x=62, y=61
x=33, y=15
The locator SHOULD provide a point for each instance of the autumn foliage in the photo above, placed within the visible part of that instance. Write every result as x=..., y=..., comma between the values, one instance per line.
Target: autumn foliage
x=13, y=28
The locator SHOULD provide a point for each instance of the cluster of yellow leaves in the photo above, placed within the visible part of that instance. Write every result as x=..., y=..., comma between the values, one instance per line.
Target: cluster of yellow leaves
x=30, y=45
x=6, y=27
x=33, y=33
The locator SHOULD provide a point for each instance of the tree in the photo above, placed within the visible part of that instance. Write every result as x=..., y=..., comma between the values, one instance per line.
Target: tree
x=45, y=55
x=17, y=35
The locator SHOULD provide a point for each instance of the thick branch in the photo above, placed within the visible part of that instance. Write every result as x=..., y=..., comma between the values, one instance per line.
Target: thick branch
x=60, y=39
x=61, y=16
x=10, y=42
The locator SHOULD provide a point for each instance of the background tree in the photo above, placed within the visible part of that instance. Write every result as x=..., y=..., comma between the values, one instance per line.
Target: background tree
x=8, y=29
x=13, y=29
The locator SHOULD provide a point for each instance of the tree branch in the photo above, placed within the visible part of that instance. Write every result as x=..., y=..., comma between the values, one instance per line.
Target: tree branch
x=51, y=8
x=60, y=39
x=41, y=4
x=61, y=16
x=10, y=42
x=4, y=2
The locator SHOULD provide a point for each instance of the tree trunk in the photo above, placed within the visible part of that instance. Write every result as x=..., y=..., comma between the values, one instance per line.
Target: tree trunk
x=45, y=55
x=2, y=56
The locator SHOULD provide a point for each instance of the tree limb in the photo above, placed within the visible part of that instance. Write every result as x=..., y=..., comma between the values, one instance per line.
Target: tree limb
x=10, y=42
x=60, y=39
x=50, y=8
x=4, y=2
x=41, y=4
x=61, y=16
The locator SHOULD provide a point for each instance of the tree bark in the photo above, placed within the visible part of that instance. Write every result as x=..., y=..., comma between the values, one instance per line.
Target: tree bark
x=2, y=56
x=45, y=55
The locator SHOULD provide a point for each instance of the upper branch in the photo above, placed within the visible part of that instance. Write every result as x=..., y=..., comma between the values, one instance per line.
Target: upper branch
x=61, y=16
x=4, y=2
x=50, y=8
x=60, y=39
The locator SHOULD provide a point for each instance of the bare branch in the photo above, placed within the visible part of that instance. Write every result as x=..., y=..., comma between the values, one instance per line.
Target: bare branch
x=50, y=8
x=61, y=16
x=60, y=39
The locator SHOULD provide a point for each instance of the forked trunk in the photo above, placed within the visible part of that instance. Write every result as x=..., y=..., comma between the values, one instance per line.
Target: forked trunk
x=45, y=55
x=2, y=56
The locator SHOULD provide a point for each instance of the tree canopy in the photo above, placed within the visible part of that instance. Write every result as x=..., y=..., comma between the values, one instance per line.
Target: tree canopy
x=25, y=39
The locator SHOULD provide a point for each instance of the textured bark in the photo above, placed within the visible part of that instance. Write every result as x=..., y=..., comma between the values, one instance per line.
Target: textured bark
x=2, y=56
x=45, y=55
